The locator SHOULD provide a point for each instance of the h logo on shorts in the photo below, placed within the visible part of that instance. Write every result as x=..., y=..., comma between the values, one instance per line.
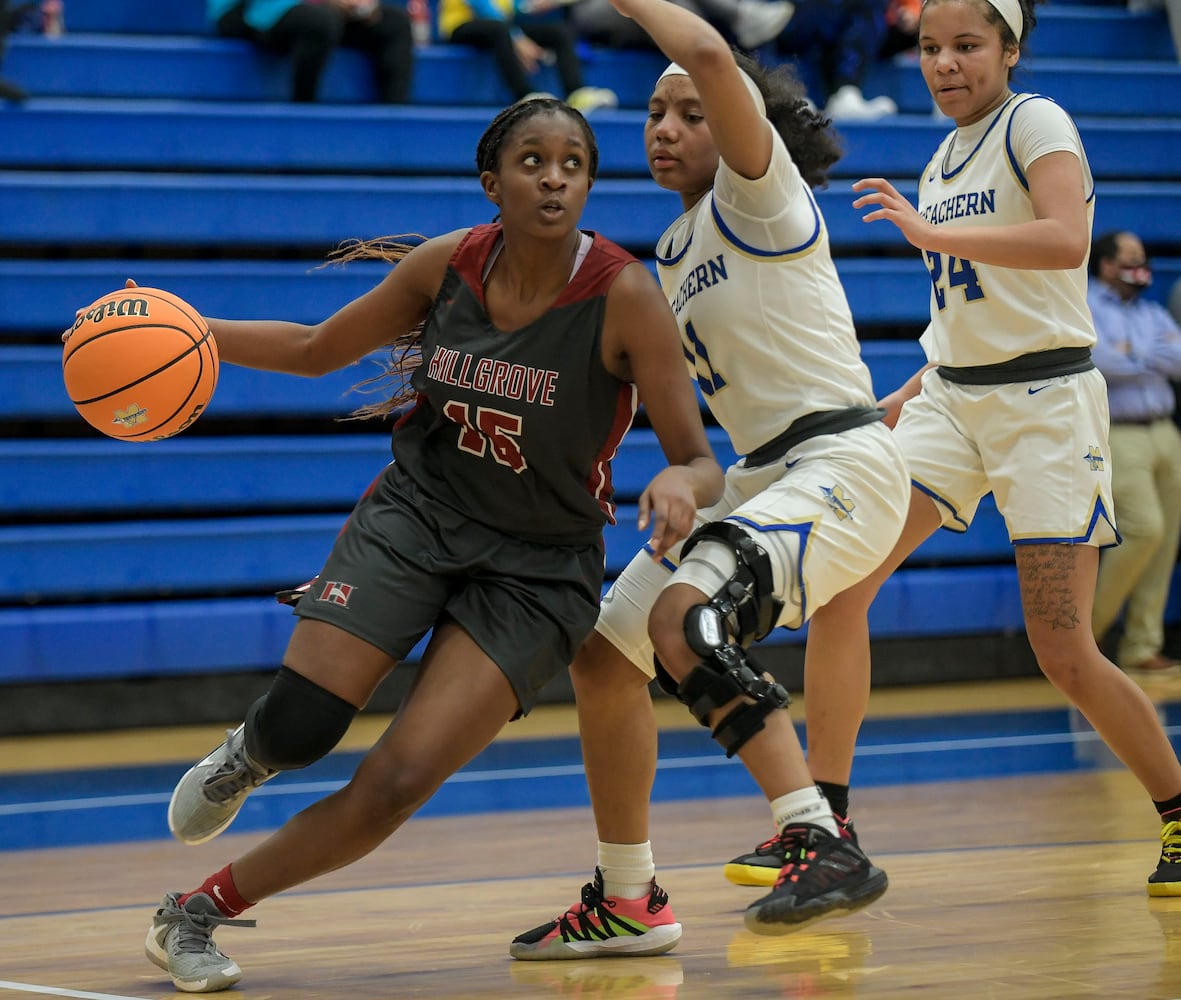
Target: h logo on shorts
x=336, y=593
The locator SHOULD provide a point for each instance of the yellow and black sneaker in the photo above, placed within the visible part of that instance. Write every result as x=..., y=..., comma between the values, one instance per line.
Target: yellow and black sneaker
x=1166, y=880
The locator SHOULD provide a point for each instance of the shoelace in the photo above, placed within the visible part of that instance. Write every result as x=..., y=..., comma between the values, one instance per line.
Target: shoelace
x=595, y=904
x=195, y=930
x=232, y=777
x=795, y=854
x=773, y=845
x=1171, y=842
x=777, y=844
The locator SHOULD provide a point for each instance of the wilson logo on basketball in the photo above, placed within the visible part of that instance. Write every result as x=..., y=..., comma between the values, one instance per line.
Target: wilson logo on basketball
x=131, y=415
x=115, y=307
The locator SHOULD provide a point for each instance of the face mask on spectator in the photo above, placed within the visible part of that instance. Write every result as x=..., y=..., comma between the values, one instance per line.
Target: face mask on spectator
x=1139, y=276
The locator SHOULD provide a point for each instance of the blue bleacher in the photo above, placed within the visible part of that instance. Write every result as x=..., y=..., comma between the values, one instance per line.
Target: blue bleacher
x=151, y=149
x=174, y=135
x=223, y=210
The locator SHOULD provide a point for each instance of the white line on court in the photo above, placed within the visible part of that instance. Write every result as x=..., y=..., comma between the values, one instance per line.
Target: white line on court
x=566, y=770
x=53, y=991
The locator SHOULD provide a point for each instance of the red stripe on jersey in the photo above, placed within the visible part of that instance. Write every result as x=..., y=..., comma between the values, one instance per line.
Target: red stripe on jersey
x=599, y=483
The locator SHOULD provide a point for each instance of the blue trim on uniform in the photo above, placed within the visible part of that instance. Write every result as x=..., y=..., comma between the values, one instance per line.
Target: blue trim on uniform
x=729, y=236
x=1021, y=179
x=1099, y=511
x=803, y=531
x=943, y=171
x=943, y=503
x=665, y=561
x=672, y=261
x=1009, y=154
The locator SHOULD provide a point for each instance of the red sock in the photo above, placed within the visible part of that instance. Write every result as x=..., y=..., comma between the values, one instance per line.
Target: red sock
x=221, y=889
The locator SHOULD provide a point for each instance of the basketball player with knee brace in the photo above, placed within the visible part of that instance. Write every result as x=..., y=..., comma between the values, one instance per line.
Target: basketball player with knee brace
x=814, y=505
x=524, y=346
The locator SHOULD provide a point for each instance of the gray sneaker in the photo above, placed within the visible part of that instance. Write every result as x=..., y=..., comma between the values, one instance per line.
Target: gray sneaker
x=208, y=797
x=180, y=941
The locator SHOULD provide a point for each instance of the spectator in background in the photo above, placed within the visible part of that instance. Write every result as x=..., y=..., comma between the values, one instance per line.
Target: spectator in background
x=750, y=23
x=837, y=41
x=309, y=31
x=1138, y=352
x=902, y=28
x=522, y=37
x=8, y=91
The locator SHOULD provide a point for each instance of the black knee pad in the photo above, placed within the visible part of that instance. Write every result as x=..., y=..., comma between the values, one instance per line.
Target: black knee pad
x=295, y=723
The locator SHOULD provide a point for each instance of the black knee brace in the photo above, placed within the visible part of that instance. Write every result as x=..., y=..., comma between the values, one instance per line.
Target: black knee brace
x=747, y=600
x=295, y=723
x=726, y=673
x=747, y=609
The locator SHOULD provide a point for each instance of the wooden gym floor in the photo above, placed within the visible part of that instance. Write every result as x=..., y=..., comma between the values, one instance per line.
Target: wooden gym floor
x=1027, y=886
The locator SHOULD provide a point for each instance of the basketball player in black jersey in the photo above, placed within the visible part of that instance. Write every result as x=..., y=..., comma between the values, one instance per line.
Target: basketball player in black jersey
x=532, y=343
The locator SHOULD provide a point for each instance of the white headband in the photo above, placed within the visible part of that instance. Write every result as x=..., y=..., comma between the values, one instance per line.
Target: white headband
x=753, y=88
x=1010, y=10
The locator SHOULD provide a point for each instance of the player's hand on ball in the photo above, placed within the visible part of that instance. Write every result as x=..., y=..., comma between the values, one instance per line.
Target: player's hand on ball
x=69, y=331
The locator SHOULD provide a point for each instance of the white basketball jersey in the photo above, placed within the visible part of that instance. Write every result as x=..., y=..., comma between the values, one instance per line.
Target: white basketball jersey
x=982, y=314
x=765, y=325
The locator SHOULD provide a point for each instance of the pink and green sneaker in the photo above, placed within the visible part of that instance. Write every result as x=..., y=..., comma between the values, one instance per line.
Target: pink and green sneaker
x=601, y=925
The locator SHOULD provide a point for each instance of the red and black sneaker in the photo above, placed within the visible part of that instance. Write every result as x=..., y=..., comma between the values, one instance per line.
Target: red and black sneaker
x=823, y=875
x=761, y=867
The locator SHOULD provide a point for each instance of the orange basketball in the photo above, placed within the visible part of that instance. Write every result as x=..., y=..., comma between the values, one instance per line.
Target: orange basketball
x=141, y=364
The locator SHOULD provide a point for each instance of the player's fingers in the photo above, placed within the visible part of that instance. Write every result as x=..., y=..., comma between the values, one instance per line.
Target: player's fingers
x=661, y=539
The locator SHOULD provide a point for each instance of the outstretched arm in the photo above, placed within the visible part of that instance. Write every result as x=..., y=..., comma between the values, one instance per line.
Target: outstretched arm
x=738, y=126
x=394, y=307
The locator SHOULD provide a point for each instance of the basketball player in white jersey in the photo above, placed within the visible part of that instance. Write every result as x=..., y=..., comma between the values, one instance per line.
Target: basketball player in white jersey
x=814, y=505
x=1010, y=401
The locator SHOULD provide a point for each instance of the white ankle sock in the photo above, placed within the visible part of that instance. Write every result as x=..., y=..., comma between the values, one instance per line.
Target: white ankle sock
x=805, y=805
x=628, y=869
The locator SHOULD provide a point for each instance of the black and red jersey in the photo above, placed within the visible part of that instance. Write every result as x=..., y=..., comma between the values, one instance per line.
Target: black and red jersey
x=517, y=429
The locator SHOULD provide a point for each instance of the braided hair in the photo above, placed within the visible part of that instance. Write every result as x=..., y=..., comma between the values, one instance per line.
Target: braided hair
x=492, y=141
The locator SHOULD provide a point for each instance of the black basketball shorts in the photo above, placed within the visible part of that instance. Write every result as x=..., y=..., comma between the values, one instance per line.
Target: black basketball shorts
x=403, y=562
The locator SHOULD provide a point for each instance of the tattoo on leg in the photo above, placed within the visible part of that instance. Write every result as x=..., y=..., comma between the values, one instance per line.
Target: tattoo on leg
x=1047, y=584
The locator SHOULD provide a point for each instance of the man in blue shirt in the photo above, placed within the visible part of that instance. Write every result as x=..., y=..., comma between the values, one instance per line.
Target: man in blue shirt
x=1138, y=352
